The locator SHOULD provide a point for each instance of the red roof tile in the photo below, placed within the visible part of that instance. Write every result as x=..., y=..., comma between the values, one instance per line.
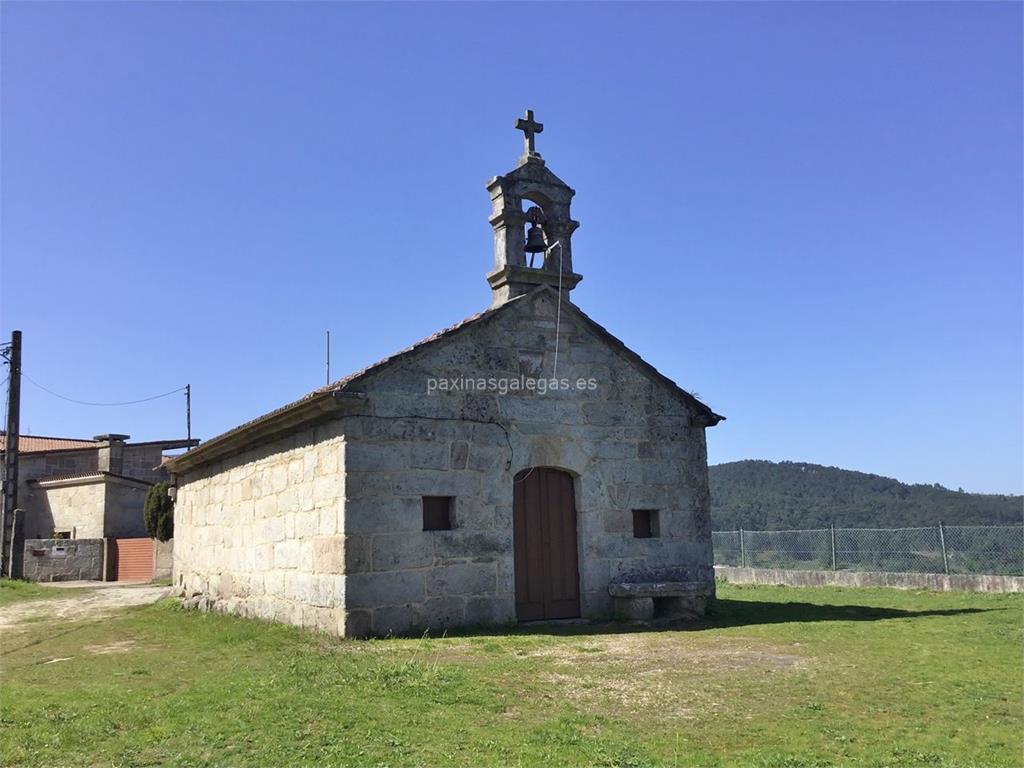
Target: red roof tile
x=40, y=444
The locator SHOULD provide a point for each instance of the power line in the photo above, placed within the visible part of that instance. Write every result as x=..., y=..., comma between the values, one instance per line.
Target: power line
x=103, y=405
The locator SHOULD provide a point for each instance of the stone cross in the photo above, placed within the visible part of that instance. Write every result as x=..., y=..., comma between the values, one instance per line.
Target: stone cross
x=530, y=128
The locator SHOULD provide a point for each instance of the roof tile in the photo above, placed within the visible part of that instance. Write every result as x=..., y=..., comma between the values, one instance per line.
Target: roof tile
x=41, y=444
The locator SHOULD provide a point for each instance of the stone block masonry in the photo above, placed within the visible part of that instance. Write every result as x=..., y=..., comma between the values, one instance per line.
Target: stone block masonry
x=163, y=559
x=261, y=534
x=323, y=526
x=81, y=508
x=611, y=439
x=63, y=559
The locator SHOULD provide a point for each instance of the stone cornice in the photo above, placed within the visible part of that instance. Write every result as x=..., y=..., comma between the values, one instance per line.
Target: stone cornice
x=532, y=277
x=273, y=424
x=88, y=478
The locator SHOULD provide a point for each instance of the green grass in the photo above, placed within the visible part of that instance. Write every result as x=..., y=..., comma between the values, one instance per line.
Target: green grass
x=778, y=678
x=14, y=591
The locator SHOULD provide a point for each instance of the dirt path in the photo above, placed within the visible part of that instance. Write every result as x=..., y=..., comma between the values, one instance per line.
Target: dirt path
x=91, y=604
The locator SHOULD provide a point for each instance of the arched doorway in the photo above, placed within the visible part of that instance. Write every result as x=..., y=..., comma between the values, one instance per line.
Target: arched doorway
x=544, y=532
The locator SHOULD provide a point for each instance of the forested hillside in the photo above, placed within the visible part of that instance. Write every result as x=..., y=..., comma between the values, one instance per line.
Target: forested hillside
x=764, y=495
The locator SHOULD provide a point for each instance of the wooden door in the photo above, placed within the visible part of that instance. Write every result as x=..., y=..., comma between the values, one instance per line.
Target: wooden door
x=544, y=530
x=134, y=558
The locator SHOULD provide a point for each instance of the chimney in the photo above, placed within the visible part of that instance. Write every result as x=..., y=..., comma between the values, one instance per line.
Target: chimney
x=110, y=457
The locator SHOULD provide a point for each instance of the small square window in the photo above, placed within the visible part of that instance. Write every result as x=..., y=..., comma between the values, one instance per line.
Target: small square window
x=645, y=524
x=437, y=513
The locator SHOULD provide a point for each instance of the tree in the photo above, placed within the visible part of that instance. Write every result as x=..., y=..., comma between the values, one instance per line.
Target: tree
x=764, y=496
x=159, y=512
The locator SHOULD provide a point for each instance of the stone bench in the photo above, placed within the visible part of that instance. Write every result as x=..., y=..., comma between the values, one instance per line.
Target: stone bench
x=643, y=601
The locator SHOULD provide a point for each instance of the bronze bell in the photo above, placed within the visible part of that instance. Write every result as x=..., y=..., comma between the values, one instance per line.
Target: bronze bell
x=535, y=239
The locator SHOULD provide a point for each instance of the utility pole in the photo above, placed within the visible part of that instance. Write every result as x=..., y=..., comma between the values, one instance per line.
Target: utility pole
x=12, y=352
x=188, y=413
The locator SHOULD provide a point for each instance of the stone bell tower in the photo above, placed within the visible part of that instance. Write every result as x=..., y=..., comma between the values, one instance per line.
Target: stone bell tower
x=533, y=196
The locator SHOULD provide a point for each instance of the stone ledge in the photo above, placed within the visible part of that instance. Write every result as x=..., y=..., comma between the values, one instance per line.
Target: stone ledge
x=532, y=276
x=662, y=589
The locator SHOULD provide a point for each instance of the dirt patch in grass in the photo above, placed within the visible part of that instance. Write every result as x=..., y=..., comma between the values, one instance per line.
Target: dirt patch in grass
x=643, y=692
x=106, y=649
x=17, y=591
x=95, y=603
x=119, y=646
x=672, y=652
x=656, y=673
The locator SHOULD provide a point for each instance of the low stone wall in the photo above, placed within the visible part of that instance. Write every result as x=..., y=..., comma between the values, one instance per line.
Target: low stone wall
x=936, y=581
x=63, y=560
x=163, y=558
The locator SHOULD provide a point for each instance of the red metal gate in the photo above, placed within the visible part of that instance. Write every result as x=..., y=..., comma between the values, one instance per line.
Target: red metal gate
x=133, y=559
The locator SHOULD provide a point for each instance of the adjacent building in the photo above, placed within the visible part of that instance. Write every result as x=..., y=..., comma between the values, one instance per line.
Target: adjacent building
x=88, y=488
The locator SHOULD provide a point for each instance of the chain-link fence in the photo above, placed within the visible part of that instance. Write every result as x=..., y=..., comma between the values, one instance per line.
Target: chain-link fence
x=996, y=550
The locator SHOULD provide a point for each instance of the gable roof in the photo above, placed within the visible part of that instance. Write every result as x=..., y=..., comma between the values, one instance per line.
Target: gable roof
x=690, y=399
x=315, y=402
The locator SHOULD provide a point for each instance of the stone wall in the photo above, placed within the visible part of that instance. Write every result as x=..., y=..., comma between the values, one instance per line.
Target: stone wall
x=38, y=520
x=74, y=506
x=260, y=534
x=163, y=559
x=940, y=582
x=143, y=462
x=63, y=559
x=124, y=505
x=90, y=507
x=67, y=462
x=628, y=442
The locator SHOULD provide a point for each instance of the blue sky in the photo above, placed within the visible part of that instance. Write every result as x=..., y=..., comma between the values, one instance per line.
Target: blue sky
x=807, y=213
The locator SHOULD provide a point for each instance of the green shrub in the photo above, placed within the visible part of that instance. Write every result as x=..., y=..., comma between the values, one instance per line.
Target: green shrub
x=159, y=512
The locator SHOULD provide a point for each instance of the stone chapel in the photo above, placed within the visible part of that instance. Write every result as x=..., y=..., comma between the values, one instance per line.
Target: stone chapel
x=521, y=465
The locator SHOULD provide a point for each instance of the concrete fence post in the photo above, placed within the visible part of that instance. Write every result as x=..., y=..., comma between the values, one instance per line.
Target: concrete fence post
x=832, y=532
x=743, y=551
x=942, y=543
x=109, y=560
x=16, y=555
